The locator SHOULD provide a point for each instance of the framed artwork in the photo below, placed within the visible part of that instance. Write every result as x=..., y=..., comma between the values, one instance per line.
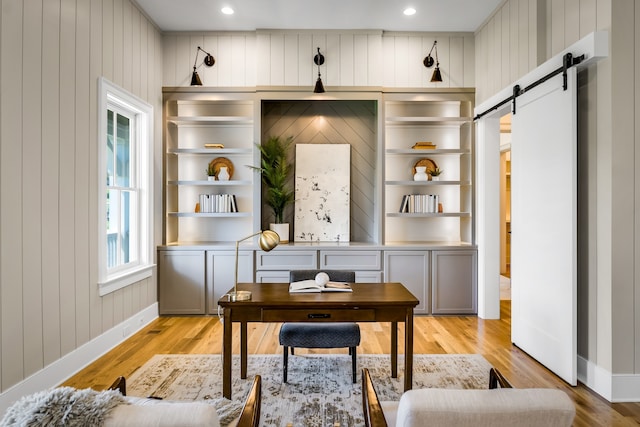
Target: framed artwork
x=322, y=192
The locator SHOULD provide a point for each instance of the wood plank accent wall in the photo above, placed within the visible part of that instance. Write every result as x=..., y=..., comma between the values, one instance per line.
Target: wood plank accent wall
x=334, y=122
x=352, y=58
x=51, y=55
x=524, y=33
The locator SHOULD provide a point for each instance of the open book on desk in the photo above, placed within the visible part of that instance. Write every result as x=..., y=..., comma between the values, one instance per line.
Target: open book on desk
x=312, y=286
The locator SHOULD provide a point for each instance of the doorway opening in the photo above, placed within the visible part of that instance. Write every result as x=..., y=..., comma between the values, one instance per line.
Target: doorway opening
x=505, y=207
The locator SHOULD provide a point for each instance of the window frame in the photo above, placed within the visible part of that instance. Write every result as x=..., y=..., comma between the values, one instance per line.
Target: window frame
x=112, y=95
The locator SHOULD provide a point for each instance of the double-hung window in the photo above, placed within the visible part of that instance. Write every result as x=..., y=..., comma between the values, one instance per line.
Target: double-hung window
x=125, y=189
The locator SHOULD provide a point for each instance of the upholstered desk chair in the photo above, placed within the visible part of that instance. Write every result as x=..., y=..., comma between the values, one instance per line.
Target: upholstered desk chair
x=320, y=334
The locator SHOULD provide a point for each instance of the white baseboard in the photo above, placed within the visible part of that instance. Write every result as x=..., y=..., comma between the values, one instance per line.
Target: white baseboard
x=65, y=367
x=616, y=388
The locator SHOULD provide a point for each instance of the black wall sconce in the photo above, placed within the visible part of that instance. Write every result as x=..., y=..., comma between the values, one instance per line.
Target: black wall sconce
x=318, y=60
x=428, y=62
x=209, y=60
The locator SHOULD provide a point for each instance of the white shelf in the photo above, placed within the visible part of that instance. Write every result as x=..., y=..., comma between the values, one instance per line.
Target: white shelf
x=203, y=183
x=210, y=215
x=209, y=151
x=421, y=152
x=209, y=120
x=427, y=183
x=429, y=215
x=429, y=120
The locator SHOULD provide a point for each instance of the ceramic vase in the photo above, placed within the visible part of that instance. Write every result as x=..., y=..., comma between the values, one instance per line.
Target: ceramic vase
x=421, y=174
x=223, y=174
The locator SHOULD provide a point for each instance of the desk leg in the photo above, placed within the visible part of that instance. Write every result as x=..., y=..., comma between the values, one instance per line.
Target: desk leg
x=226, y=353
x=408, y=350
x=243, y=350
x=394, y=349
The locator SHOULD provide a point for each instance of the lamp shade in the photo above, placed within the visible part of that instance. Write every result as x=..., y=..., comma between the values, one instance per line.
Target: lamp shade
x=437, y=76
x=268, y=240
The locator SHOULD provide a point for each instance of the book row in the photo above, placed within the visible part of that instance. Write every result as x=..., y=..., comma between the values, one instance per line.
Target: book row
x=420, y=203
x=218, y=203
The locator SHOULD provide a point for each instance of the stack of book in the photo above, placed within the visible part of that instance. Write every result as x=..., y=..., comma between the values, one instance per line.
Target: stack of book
x=420, y=203
x=218, y=203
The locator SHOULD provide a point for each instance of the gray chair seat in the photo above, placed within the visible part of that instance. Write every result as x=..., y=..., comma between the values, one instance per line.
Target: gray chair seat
x=321, y=334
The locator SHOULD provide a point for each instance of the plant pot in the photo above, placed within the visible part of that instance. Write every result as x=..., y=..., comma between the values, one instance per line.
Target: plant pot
x=211, y=178
x=282, y=230
x=435, y=178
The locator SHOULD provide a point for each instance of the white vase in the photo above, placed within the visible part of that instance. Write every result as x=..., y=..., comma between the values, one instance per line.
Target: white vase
x=282, y=230
x=421, y=174
x=223, y=174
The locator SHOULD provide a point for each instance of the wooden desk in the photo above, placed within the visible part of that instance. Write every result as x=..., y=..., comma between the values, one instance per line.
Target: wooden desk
x=272, y=302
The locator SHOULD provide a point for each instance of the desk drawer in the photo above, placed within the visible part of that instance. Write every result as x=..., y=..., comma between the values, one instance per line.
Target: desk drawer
x=318, y=315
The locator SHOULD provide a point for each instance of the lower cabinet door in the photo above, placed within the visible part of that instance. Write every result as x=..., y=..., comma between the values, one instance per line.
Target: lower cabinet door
x=411, y=268
x=454, y=283
x=181, y=282
x=221, y=267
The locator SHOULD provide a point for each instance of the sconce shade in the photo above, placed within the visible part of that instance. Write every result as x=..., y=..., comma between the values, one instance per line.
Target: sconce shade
x=319, y=87
x=437, y=76
x=195, y=78
x=209, y=60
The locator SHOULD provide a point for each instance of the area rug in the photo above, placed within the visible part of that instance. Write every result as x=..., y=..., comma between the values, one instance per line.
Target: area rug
x=319, y=391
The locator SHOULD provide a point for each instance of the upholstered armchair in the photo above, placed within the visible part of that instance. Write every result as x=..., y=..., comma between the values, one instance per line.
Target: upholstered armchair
x=153, y=412
x=500, y=405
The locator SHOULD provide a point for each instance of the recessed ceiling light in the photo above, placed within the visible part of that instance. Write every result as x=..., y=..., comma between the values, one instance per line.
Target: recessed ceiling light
x=227, y=10
x=409, y=11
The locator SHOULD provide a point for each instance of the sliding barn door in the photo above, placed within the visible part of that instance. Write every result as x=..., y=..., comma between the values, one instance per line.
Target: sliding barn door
x=543, y=215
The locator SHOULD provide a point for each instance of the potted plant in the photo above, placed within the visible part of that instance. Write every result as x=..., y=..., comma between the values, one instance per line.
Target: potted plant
x=211, y=172
x=276, y=171
x=435, y=174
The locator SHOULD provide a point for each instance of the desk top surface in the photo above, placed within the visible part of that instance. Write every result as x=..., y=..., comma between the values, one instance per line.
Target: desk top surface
x=364, y=295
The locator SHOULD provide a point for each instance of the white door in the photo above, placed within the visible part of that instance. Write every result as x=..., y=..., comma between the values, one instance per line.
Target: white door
x=544, y=225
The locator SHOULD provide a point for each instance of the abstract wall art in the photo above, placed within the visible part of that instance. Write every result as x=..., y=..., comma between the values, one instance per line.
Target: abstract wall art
x=322, y=192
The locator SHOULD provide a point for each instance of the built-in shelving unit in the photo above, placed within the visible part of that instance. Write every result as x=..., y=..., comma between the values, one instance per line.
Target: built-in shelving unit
x=446, y=121
x=193, y=119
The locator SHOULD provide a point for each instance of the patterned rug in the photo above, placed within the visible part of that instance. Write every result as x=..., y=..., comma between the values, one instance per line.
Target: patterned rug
x=319, y=391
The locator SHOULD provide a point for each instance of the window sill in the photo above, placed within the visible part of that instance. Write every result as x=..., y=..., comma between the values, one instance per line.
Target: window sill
x=125, y=279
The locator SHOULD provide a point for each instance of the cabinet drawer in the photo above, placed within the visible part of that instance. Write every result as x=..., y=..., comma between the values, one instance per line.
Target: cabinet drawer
x=318, y=315
x=289, y=260
x=351, y=260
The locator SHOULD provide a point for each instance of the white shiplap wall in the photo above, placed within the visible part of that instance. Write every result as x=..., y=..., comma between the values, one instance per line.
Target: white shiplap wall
x=352, y=58
x=51, y=55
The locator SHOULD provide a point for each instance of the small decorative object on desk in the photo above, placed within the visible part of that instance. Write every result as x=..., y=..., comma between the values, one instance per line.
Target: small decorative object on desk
x=213, y=145
x=424, y=146
x=435, y=174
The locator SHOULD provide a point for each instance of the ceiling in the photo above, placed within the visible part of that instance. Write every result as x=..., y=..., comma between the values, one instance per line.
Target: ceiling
x=387, y=15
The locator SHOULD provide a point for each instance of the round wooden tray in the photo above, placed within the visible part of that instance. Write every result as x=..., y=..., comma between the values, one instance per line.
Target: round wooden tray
x=430, y=164
x=221, y=161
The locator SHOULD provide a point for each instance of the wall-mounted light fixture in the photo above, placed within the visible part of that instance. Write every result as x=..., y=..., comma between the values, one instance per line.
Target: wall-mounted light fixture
x=428, y=62
x=318, y=60
x=209, y=60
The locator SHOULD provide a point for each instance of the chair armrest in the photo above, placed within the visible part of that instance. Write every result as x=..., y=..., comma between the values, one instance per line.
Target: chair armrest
x=373, y=414
x=497, y=379
x=119, y=384
x=250, y=415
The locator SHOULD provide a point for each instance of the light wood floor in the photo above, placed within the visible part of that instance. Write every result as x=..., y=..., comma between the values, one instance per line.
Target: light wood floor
x=452, y=335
